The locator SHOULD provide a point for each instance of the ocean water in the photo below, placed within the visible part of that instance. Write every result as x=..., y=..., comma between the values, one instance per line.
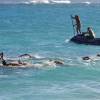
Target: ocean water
x=44, y=30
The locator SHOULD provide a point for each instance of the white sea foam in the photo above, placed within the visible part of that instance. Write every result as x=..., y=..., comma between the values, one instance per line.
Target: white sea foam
x=39, y=1
x=61, y=1
x=37, y=56
x=87, y=2
x=35, y=1
x=67, y=41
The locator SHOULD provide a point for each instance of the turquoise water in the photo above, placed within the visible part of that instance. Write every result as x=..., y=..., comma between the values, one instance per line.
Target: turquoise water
x=45, y=31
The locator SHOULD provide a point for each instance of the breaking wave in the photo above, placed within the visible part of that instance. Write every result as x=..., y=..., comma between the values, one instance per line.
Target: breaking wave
x=87, y=2
x=62, y=1
x=35, y=1
x=43, y=2
x=48, y=2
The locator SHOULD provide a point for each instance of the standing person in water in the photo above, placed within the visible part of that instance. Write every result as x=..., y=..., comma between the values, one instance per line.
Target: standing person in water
x=77, y=24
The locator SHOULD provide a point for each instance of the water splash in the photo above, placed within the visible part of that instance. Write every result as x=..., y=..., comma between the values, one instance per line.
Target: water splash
x=67, y=40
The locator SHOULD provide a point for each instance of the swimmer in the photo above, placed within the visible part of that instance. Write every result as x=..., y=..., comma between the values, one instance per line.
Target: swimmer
x=98, y=55
x=23, y=55
x=18, y=63
x=1, y=55
x=86, y=58
x=57, y=62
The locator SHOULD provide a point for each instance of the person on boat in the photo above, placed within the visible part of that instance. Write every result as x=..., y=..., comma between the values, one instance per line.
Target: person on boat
x=77, y=24
x=89, y=34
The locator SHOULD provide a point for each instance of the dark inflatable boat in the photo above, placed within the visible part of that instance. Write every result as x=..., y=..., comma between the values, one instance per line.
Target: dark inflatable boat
x=83, y=40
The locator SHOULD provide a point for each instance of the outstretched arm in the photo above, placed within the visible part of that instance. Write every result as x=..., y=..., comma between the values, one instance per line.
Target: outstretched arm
x=72, y=17
x=23, y=55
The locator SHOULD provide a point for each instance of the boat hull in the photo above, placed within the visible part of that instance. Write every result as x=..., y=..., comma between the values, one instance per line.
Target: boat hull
x=83, y=40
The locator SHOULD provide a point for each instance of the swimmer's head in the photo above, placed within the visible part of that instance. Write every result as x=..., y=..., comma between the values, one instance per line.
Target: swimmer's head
x=59, y=62
x=98, y=55
x=76, y=16
x=86, y=58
